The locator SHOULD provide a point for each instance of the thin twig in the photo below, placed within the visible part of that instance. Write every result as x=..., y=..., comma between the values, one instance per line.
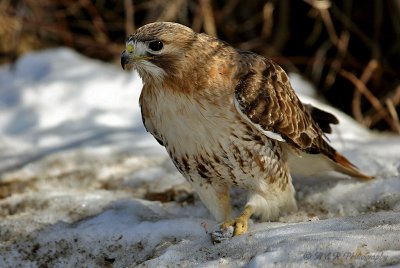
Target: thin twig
x=351, y=26
x=197, y=21
x=228, y=8
x=323, y=8
x=326, y=18
x=208, y=16
x=268, y=20
x=393, y=113
x=365, y=77
x=342, y=44
x=98, y=23
x=373, y=118
x=171, y=10
x=282, y=25
x=317, y=29
x=318, y=61
x=129, y=17
x=370, y=97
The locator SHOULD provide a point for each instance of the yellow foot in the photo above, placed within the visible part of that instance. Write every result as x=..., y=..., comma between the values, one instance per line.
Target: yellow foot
x=240, y=223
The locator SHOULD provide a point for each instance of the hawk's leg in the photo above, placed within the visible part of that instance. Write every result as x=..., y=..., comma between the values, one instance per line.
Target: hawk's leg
x=240, y=223
x=216, y=198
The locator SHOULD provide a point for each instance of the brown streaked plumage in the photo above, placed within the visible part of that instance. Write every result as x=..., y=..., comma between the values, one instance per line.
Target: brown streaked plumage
x=227, y=118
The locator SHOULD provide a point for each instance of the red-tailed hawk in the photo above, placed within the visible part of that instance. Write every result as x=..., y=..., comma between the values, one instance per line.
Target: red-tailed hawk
x=227, y=118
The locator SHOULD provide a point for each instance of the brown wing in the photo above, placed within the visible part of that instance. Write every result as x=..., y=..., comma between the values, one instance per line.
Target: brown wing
x=266, y=99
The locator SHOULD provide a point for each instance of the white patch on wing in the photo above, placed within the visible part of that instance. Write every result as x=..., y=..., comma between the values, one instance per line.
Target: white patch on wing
x=271, y=134
x=268, y=133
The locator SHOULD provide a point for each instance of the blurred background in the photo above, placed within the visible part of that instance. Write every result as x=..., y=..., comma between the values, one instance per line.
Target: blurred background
x=349, y=49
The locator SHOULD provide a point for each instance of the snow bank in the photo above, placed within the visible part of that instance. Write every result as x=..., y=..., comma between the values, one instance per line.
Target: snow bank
x=83, y=184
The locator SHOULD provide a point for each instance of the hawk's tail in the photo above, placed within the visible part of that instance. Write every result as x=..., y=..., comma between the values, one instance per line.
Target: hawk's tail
x=306, y=164
x=342, y=164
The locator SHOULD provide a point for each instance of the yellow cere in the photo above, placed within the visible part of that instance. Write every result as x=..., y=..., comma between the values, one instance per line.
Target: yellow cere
x=129, y=48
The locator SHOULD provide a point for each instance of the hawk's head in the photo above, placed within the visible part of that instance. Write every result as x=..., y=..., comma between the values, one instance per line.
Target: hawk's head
x=157, y=49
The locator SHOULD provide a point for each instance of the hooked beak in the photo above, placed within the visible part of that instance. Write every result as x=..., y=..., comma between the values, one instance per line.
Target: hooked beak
x=125, y=59
x=128, y=59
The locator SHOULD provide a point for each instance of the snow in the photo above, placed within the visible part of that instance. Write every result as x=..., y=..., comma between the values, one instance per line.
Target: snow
x=83, y=184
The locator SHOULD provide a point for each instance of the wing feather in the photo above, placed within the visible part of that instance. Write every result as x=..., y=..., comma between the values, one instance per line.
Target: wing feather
x=265, y=99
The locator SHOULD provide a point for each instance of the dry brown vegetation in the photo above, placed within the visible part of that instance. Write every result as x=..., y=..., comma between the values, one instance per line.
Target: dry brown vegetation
x=349, y=49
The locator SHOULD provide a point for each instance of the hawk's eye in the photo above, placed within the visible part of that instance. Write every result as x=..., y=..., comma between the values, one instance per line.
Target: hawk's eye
x=156, y=45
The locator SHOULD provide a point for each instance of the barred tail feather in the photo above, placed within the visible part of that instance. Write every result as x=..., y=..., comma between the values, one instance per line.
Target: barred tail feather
x=342, y=164
x=304, y=164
